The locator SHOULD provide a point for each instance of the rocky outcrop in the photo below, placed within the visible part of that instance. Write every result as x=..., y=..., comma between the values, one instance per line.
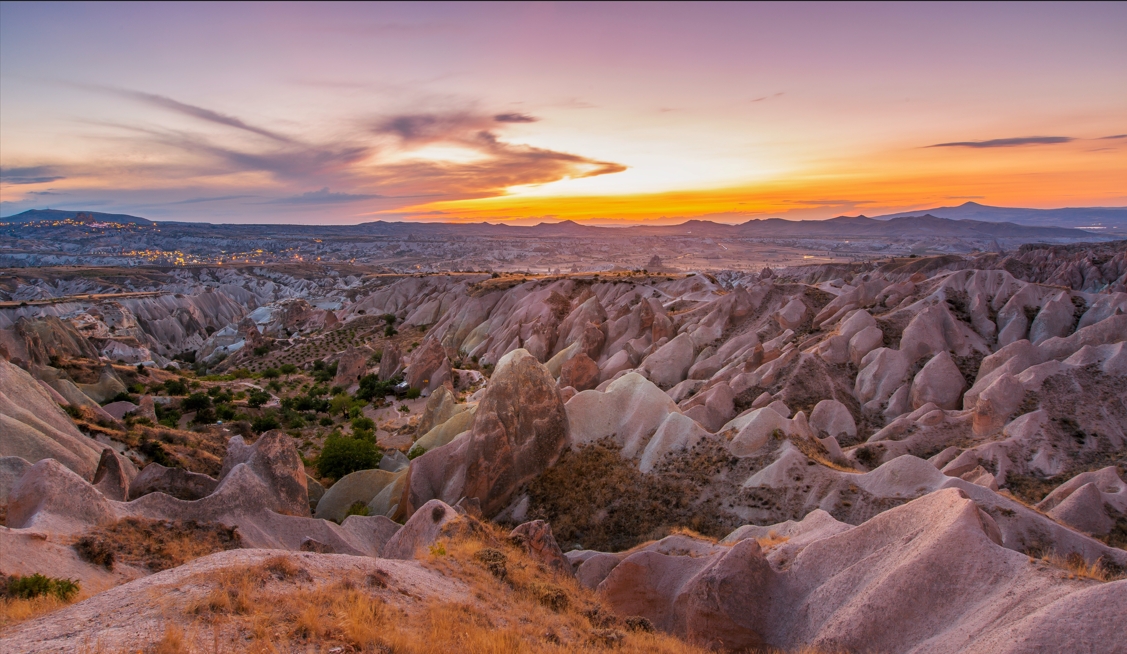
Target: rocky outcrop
x=360, y=486
x=537, y=540
x=429, y=367
x=814, y=594
x=113, y=475
x=175, y=482
x=580, y=372
x=352, y=365
x=520, y=429
x=391, y=363
x=629, y=410
x=51, y=498
x=34, y=427
x=938, y=382
x=669, y=365
x=421, y=531
x=273, y=459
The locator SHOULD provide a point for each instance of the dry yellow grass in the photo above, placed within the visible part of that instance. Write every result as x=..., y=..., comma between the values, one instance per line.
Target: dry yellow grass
x=517, y=605
x=14, y=610
x=771, y=540
x=1078, y=568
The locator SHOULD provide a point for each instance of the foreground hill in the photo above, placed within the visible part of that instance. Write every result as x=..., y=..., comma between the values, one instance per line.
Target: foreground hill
x=922, y=455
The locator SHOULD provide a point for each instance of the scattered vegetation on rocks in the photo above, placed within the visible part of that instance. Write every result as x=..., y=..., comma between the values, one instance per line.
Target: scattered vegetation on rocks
x=154, y=544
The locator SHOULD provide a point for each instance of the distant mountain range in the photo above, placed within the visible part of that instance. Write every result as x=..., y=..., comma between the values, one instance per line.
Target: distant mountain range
x=37, y=215
x=1077, y=217
x=836, y=228
x=969, y=220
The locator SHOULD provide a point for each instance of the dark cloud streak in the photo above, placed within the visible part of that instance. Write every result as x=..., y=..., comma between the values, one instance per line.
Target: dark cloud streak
x=1007, y=143
x=323, y=196
x=201, y=113
x=515, y=118
x=30, y=175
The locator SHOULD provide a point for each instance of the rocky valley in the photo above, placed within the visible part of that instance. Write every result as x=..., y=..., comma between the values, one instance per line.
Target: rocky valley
x=915, y=453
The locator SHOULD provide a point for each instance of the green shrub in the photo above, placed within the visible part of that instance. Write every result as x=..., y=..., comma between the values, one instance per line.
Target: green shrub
x=357, y=508
x=415, y=452
x=324, y=373
x=264, y=423
x=261, y=350
x=37, y=585
x=372, y=388
x=175, y=387
x=288, y=368
x=326, y=421
x=196, y=402
x=342, y=455
x=257, y=398
x=224, y=412
x=413, y=393
x=122, y=397
x=363, y=424
x=271, y=373
x=156, y=453
x=204, y=416
x=167, y=416
x=293, y=420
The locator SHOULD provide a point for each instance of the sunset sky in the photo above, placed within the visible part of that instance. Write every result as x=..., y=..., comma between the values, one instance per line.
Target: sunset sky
x=325, y=113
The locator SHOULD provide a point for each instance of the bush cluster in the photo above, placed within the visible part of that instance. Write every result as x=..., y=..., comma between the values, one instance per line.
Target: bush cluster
x=37, y=585
x=342, y=455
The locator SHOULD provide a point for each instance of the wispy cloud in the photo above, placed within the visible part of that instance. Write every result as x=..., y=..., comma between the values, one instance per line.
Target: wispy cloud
x=323, y=196
x=768, y=97
x=386, y=162
x=1116, y=136
x=30, y=175
x=515, y=118
x=196, y=112
x=1006, y=143
x=220, y=198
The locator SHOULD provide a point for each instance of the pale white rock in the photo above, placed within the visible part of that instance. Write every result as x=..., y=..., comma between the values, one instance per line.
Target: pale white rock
x=899, y=402
x=833, y=418
x=856, y=322
x=756, y=430
x=792, y=314
x=668, y=366
x=677, y=432
x=939, y=381
x=630, y=410
x=882, y=372
x=779, y=407
x=863, y=342
x=1053, y=320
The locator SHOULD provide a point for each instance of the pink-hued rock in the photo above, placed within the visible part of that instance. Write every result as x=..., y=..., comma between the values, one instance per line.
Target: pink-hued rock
x=390, y=363
x=352, y=365
x=579, y=372
x=520, y=429
x=112, y=477
x=939, y=381
x=50, y=497
x=537, y=539
x=421, y=531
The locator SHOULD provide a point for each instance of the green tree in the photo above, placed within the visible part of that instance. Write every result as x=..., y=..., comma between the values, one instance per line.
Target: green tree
x=342, y=455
